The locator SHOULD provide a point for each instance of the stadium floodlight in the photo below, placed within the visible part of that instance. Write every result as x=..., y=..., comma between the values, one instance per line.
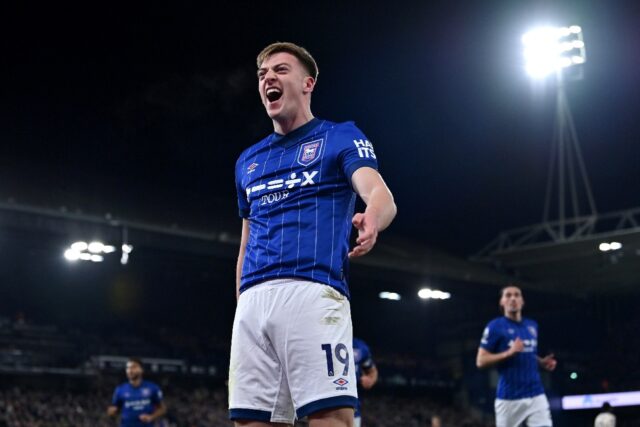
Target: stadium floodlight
x=71, y=255
x=615, y=246
x=126, y=250
x=427, y=293
x=96, y=247
x=91, y=251
x=393, y=296
x=609, y=246
x=79, y=246
x=548, y=50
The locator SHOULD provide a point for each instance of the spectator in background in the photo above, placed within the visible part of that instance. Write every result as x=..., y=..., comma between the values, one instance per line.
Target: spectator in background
x=605, y=418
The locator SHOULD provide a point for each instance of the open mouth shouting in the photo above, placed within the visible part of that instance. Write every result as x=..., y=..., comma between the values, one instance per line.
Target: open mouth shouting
x=273, y=94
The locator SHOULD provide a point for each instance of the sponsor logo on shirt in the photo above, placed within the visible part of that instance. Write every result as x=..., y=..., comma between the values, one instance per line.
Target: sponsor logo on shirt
x=137, y=405
x=365, y=149
x=529, y=345
x=294, y=180
x=485, y=336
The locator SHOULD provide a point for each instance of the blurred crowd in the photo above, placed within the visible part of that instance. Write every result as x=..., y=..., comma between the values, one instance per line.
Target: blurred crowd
x=202, y=407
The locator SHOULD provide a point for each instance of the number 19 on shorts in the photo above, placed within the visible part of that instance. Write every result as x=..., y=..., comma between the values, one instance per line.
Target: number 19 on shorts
x=342, y=355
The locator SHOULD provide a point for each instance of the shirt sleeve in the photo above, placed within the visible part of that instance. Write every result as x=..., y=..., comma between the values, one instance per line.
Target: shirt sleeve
x=355, y=150
x=156, y=396
x=490, y=337
x=243, y=204
x=115, y=399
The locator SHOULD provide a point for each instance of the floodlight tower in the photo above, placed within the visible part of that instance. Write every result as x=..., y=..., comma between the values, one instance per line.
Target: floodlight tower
x=561, y=51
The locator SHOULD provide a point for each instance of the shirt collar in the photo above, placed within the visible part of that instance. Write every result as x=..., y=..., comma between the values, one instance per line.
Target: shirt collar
x=294, y=136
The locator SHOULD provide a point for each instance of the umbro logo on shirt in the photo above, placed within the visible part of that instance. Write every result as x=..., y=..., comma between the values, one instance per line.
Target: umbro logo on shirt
x=252, y=167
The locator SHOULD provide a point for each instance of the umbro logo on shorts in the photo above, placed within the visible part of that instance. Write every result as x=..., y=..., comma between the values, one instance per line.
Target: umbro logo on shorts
x=341, y=382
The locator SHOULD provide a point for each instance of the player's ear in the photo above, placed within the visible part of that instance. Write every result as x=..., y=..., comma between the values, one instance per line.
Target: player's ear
x=308, y=84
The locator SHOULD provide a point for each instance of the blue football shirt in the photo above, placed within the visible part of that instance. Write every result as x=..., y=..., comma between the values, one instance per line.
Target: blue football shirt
x=519, y=375
x=363, y=360
x=135, y=401
x=296, y=192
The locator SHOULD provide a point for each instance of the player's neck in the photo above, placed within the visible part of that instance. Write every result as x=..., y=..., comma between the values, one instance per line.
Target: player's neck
x=515, y=316
x=136, y=382
x=286, y=125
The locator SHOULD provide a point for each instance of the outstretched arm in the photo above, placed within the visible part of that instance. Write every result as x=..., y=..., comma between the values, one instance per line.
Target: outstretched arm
x=380, y=211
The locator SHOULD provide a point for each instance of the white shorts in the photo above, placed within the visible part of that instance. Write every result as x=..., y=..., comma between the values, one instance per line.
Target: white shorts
x=357, y=422
x=291, y=352
x=533, y=410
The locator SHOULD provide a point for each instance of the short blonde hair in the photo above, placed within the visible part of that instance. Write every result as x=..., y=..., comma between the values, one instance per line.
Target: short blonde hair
x=299, y=52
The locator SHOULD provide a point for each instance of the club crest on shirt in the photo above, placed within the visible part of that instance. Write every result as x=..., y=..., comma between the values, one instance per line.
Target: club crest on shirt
x=511, y=331
x=146, y=392
x=533, y=331
x=309, y=152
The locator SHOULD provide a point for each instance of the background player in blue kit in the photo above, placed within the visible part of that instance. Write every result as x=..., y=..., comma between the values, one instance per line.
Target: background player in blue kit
x=366, y=372
x=511, y=343
x=291, y=347
x=140, y=401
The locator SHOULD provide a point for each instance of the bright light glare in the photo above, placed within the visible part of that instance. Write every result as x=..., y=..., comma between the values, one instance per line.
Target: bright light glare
x=613, y=246
x=577, y=59
x=107, y=249
x=71, y=255
x=96, y=247
x=127, y=248
x=427, y=293
x=85, y=256
x=575, y=29
x=547, y=50
x=97, y=258
x=564, y=31
x=79, y=246
x=604, y=247
x=390, y=295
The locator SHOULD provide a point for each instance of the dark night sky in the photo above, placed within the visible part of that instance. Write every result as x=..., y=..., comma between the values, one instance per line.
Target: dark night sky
x=142, y=110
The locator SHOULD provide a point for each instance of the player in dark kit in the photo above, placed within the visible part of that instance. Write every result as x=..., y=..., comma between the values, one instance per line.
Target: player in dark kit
x=511, y=343
x=366, y=372
x=291, y=347
x=140, y=401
